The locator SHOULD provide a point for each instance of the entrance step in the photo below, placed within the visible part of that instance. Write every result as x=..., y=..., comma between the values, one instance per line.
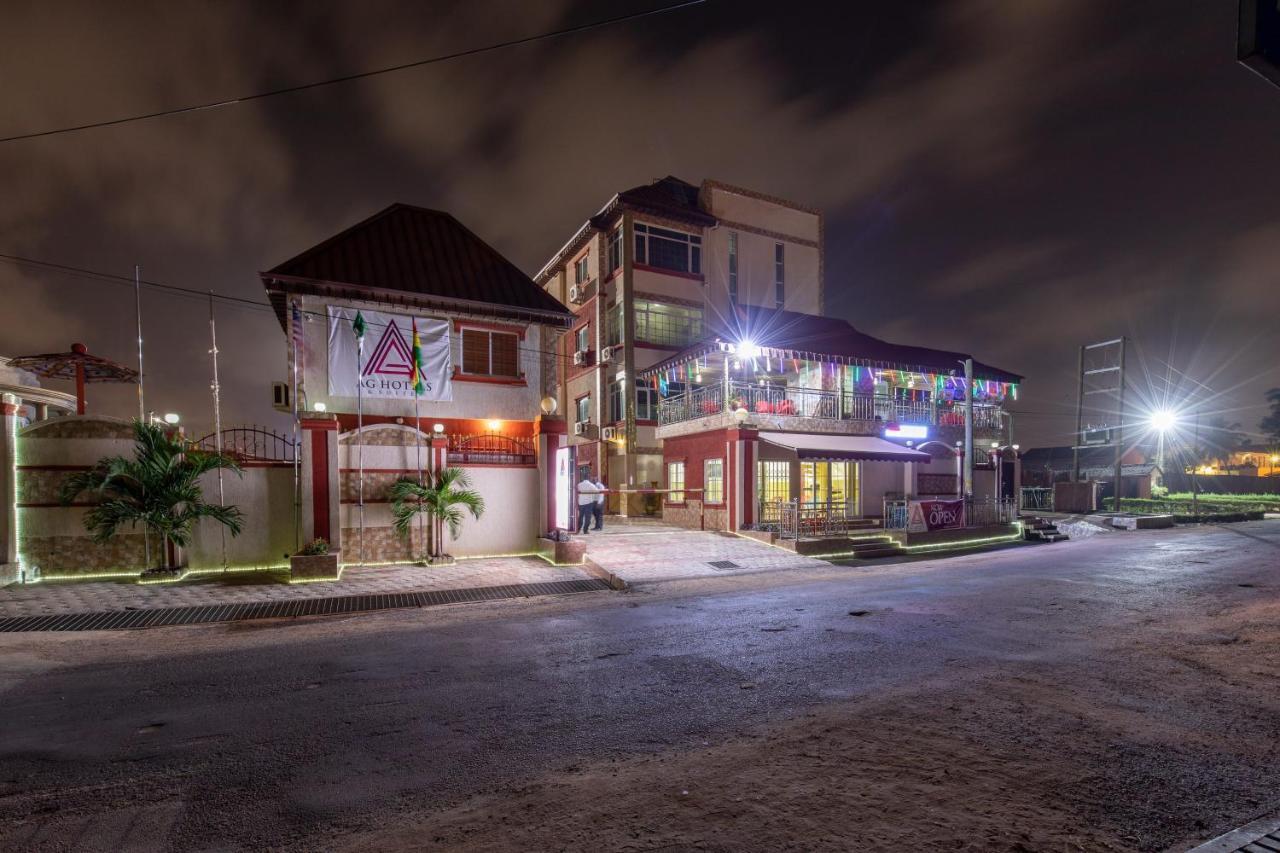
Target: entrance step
x=1037, y=528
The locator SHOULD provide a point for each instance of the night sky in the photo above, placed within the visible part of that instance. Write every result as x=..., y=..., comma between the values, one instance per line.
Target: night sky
x=1010, y=178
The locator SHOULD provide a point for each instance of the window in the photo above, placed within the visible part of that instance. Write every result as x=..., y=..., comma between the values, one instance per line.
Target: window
x=668, y=250
x=773, y=481
x=580, y=269
x=713, y=481
x=616, y=410
x=489, y=353
x=828, y=483
x=733, y=267
x=779, y=275
x=615, y=249
x=584, y=408
x=675, y=482
x=582, y=338
x=646, y=404
x=664, y=324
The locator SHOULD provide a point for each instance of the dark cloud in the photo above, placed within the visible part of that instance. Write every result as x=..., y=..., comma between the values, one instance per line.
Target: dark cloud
x=1007, y=178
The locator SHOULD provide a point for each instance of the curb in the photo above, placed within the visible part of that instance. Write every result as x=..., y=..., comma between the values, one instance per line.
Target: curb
x=596, y=570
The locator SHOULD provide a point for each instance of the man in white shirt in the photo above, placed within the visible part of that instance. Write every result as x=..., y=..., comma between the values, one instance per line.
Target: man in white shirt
x=586, y=502
x=601, y=489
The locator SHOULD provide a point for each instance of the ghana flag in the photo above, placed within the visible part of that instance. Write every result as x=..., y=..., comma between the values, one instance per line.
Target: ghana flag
x=418, y=387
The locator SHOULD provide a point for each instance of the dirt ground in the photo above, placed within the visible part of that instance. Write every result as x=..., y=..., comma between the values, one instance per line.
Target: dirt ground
x=984, y=761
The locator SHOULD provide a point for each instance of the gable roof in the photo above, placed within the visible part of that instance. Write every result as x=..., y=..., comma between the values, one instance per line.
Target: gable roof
x=415, y=256
x=825, y=336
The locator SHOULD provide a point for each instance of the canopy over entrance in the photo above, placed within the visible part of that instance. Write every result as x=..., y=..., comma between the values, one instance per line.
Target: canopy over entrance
x=842, y=447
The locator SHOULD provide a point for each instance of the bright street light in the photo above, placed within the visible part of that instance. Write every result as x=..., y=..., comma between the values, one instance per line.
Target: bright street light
x=171, y=418
x=1163, y=420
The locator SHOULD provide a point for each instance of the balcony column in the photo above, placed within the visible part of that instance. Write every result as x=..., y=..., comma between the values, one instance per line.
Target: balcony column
x=741, y=452
x=959, y=470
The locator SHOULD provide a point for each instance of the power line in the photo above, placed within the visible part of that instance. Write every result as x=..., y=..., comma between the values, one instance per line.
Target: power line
x=209, y=105
x=203, y=295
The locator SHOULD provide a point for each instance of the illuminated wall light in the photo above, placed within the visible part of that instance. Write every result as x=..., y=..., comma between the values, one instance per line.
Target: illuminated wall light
x=494, y=425
x=320, y=407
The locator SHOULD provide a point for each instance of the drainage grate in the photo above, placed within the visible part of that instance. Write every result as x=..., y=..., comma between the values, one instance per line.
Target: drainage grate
x=161, y=616
x=1260, y=836
x=724, y=565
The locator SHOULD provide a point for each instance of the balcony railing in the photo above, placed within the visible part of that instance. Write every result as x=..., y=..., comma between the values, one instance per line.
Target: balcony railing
x=820, y=405
x=978, y=512
x=795, y=519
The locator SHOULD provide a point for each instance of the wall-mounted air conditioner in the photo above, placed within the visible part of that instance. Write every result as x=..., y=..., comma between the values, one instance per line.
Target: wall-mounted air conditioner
x=281, y=400
x=577, y=294
x=606, y=355
x=580, y=357
x=580, y=427
x=609, y=433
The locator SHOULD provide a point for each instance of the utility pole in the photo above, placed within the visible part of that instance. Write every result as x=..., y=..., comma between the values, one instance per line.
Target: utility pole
x=1118, y=437
x=1075, y=446
x=968, y=427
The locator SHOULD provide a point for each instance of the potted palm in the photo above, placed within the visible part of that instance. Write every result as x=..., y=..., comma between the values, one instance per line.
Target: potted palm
x=158, y=488
x=444, y=499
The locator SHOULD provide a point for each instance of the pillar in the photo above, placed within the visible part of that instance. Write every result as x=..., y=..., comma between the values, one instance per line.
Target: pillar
x=741, y=453
x=550, y=432
x=1017, y=482
x=9, y=568
x=959, y=472
x=908, y=479
x=320, y=486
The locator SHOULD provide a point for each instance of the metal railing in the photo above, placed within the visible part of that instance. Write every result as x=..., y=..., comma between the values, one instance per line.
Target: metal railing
x=789, y=401
x=250, y=444
x=978, y=512
x=491, y=449
x=794, y=519
x=1036, y=498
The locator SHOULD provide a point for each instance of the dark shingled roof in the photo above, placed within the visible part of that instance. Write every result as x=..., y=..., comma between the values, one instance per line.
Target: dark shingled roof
x=788, y=330
x=416, y=256
x=667, y=196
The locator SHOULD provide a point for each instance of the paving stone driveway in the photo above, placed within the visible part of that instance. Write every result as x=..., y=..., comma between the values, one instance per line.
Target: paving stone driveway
x=643, y=554
x=102, y=595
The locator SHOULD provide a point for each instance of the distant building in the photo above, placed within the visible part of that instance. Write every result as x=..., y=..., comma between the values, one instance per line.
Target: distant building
x=1044, y=466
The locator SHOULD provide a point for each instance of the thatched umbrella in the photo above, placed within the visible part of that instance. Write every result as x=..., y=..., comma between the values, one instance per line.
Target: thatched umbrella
x=77, y=365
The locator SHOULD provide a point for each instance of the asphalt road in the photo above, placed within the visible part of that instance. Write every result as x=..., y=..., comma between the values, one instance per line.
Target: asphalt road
x=321, y=734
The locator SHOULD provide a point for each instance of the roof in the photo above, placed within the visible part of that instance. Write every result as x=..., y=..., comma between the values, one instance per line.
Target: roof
x=1103, y=471
x=825, y=336
x=415, y=256
x=840, y=447
x=669, y=197
x=1063, y=459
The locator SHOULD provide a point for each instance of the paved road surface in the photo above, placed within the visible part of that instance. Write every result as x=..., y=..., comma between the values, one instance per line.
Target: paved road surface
x=475, y=726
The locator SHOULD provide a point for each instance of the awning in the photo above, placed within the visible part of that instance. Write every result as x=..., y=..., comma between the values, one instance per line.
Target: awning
x=835, y=447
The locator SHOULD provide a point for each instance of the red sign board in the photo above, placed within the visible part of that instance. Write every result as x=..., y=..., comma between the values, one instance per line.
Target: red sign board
x=935, y=515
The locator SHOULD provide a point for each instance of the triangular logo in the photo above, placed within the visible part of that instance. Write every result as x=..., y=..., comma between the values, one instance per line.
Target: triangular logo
x=392, y=356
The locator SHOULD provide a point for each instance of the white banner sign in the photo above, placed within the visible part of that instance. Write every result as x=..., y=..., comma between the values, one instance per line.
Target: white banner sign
x=386, y=364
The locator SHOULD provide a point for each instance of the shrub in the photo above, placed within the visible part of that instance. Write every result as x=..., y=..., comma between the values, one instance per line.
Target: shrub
x=315, y=548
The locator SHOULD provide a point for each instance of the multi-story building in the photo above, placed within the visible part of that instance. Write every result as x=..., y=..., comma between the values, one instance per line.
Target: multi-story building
x=648, y=275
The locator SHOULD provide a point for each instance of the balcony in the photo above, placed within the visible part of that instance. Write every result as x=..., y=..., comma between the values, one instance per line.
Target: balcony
x=786, y=407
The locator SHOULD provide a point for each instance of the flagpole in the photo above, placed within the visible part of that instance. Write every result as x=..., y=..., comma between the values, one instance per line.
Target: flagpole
x=360, y=427
x=217, y=423
x=417, y=416
x=297, y=443
x=142, y=406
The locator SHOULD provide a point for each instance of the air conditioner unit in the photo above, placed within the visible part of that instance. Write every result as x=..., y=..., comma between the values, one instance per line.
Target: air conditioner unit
x=577, y=294
x=580, y=427
x=609, y=433
x=606, y=355
x=280, y=399
x=580, y=357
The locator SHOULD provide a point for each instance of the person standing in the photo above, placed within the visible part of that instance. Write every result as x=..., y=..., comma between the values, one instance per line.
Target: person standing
x=601, y=490
x=586, y=502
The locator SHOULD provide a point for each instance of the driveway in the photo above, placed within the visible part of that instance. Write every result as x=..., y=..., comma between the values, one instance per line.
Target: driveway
x=646, y=553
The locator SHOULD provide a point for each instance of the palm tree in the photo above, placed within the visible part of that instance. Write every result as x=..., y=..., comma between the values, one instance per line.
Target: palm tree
x=158, y=488
x=444, y=499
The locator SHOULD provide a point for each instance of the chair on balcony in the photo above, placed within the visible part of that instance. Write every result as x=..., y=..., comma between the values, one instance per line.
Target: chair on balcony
x=710, y=407
x=764, y=407
x=785, y=407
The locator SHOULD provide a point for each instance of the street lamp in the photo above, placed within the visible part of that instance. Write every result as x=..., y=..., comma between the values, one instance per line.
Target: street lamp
x=1162, y=421
x=171, y=418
